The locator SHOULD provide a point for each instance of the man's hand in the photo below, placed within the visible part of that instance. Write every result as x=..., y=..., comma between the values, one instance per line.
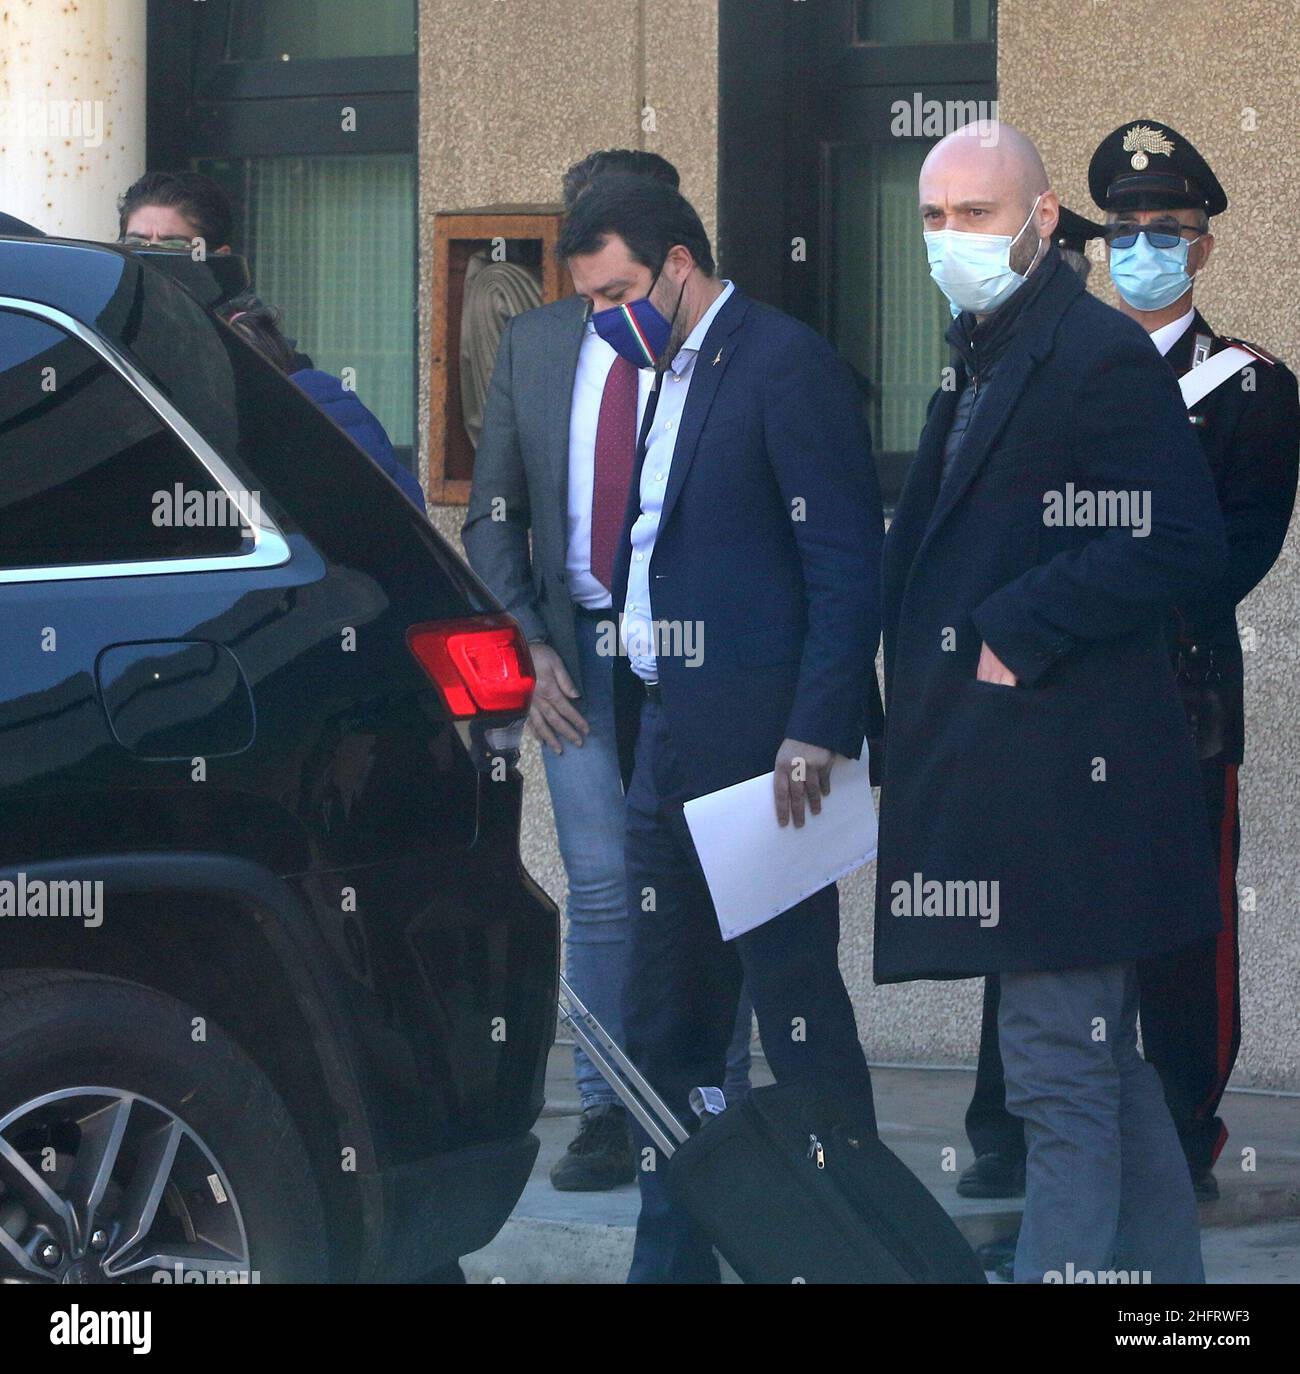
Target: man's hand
x=992, y=669
x=803, y=774
x=552, y=712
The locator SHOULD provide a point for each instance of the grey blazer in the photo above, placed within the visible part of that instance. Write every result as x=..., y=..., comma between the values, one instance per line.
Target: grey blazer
x=521, y=474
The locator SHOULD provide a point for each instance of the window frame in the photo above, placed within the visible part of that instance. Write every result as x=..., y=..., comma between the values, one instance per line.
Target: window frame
x=202, y=105
x=792, y=83
x=270, y=548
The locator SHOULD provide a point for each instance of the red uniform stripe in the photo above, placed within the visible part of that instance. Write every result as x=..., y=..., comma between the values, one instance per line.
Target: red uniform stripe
x=1225, y=955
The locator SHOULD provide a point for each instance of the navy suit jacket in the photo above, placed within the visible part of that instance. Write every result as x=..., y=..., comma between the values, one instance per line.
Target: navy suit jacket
x=769, y=545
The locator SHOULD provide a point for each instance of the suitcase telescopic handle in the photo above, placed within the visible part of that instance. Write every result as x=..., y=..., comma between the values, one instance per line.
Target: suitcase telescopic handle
x=621, y=1073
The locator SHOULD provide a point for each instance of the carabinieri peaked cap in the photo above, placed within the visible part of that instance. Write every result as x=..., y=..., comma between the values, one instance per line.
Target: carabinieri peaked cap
x=1145, y=165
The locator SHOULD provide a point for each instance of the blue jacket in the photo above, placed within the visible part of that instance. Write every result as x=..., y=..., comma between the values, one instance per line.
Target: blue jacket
x=770, y=541
x=348, y=411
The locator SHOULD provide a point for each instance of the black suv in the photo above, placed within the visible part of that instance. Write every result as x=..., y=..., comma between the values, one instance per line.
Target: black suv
x=275, y=991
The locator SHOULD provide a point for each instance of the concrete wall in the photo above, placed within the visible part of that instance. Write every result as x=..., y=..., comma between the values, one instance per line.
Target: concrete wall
x=72, y=99
x=1224, y=76
x=512, y=92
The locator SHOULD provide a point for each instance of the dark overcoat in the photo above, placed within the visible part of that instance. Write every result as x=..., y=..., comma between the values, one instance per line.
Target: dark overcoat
x=1073, y=798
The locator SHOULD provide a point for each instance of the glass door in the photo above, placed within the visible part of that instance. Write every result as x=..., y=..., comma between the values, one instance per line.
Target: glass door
x=827, y=110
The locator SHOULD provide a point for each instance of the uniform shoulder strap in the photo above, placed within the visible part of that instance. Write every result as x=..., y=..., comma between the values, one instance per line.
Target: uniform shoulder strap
x=1262, y=354
x=1197, y=384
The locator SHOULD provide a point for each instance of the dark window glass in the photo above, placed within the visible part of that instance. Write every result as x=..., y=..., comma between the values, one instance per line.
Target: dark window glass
x=923, y=21
x=331, y=244
x=294, y=30
x=884, y=314
x=88, y=472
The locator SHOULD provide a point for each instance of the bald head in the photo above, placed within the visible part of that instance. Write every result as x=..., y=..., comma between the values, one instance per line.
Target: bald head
x=993, y=152
x=984, y=179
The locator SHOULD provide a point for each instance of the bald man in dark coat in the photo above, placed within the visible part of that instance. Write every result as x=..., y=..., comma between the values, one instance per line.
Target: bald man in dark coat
x=1058, y=504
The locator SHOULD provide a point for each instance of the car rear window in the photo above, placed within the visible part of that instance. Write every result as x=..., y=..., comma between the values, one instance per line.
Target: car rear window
x=89, y=473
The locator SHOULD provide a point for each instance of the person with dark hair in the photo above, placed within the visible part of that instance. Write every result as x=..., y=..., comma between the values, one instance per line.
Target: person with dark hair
x=743, y=555
x=645, y=214
x=259, y=325
x=172, y=209
x=550, y=432
x=583, y=173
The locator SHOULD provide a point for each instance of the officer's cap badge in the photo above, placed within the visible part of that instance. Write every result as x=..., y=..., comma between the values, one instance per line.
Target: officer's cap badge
x=1140, y=140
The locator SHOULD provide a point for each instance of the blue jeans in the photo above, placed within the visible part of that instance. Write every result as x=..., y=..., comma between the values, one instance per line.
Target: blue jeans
x=587, y=799
x=1106, y=1185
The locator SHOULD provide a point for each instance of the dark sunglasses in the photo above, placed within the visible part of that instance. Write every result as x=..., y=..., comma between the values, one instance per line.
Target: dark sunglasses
x=1124, y=235
x=139, y=241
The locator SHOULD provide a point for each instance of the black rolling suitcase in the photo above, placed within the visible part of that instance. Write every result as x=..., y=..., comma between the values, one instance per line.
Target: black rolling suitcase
x=785, y=1185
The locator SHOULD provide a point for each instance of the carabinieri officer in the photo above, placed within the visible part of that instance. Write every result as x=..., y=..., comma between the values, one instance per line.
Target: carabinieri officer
x=1159, y=195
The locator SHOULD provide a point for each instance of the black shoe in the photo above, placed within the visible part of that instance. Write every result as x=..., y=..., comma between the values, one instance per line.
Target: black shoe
x=994, y=1175
x=599, y=1156
x=1204, y=1184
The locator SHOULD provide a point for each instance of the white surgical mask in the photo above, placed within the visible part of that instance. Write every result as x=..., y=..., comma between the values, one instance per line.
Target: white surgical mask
x=974, y=270
x=1151, y=278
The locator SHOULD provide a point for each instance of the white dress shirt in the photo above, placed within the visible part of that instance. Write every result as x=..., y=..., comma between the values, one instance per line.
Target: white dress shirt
x=595, y=358
x=661, y=443
x=1168, y=335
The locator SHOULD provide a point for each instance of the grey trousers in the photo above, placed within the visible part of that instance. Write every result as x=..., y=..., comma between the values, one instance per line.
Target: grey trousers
x=1108, y=1196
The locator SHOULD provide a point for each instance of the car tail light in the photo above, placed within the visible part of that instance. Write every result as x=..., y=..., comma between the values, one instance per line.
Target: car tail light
x=481, y=666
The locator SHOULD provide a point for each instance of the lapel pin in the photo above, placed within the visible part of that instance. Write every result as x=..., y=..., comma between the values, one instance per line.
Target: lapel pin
x=718, y=359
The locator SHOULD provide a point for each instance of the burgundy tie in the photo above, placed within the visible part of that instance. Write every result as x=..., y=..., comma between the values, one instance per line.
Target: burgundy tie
x=615, y=456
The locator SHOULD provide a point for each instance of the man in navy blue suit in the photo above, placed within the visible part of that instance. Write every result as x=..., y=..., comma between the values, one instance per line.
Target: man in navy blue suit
x=746, y=573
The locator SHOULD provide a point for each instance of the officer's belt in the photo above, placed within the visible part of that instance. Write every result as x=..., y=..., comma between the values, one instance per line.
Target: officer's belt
x=1197, y=384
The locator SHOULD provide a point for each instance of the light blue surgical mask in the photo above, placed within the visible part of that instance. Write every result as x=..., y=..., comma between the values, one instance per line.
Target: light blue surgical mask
x=974, y=270
x=1151, y=278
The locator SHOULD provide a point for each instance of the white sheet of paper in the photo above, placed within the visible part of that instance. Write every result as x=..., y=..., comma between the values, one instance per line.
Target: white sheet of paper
x=756, y=869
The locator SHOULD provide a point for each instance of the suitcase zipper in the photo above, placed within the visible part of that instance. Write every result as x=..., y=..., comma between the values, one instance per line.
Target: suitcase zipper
x=832, y=1211
x=902, y=1242
x=910, y=1261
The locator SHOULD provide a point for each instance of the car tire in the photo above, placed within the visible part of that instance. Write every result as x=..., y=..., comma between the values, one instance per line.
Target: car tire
x=65, y=1032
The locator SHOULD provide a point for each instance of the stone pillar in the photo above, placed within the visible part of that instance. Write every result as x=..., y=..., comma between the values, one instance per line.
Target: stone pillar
x=72, y=112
